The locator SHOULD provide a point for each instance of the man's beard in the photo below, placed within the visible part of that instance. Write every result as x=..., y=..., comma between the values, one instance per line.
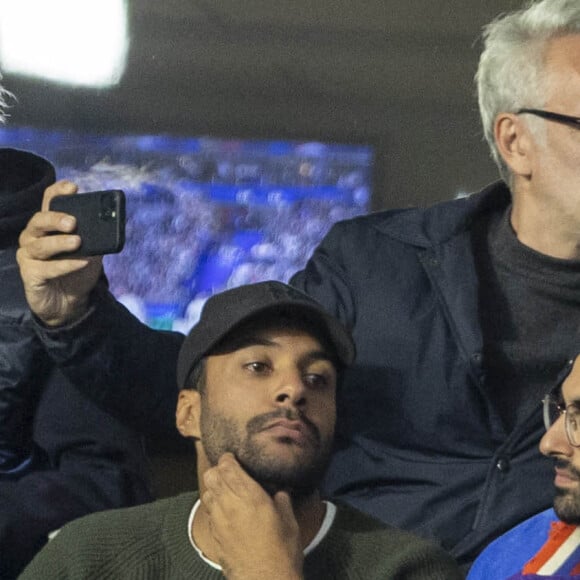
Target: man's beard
x=567, y=501
x=299, y=477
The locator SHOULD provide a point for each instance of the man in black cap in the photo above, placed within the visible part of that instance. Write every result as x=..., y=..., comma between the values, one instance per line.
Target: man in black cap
x=257, y=378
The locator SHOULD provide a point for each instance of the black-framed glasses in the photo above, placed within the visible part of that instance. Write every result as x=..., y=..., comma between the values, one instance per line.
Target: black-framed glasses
x=554, y=409
x=573, y=122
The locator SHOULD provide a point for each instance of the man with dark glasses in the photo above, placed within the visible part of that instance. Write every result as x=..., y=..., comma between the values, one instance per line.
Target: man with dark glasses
x=548, y=544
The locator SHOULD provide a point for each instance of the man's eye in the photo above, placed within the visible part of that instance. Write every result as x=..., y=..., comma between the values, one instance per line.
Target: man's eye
x=572, y=417
x=257, y=367
x=316, y=381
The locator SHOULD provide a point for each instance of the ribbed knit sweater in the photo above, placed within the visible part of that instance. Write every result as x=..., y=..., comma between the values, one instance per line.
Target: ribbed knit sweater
x=151, y=542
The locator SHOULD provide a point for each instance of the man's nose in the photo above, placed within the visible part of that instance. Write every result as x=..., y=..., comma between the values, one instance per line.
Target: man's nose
x=291, y=389
x=555, y=441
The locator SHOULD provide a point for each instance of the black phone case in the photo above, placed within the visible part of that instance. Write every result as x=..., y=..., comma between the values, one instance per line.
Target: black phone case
x=100, y=219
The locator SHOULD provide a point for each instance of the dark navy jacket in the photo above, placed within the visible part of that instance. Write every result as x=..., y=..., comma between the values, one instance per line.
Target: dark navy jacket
x=420, y=445
x=61, y=457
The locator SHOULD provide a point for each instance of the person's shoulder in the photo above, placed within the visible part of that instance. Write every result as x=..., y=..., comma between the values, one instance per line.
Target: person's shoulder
x=373, y=533
x=359, y=546
x=125, y=525
x=423, y=226
x=533, y=530
x=356, y=523
x=374, y=219
x=510, y=551
x=113, y=543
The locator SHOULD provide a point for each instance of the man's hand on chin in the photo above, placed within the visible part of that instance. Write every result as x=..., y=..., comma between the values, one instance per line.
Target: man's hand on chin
x=257, y=535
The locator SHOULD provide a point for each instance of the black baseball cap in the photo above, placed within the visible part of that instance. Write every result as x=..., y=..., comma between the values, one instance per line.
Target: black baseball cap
x=225, y=311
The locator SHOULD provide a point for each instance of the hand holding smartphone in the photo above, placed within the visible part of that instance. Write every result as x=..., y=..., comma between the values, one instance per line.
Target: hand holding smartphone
x=100, y=217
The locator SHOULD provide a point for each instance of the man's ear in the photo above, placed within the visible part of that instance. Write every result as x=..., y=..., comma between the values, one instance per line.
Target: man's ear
x=188, y=412
x=515, y=143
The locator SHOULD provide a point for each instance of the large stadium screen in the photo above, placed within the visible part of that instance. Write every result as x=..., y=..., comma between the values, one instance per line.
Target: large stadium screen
x=205, y=214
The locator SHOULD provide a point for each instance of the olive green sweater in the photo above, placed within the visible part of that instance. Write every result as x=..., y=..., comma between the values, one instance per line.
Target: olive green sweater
x=151, y=542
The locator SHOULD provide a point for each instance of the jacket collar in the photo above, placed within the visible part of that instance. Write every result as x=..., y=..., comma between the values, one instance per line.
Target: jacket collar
x=442, y=221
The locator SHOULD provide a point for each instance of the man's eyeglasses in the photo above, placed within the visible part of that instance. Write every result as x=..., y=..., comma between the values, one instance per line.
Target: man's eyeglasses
x=554, y=409
x=573, y=122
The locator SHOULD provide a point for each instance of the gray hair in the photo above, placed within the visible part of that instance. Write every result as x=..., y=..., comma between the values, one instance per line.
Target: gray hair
x=5, y=97
x=511, y=75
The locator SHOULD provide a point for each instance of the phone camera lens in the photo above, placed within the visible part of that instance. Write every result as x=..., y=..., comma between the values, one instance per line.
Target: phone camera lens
x=108, y=207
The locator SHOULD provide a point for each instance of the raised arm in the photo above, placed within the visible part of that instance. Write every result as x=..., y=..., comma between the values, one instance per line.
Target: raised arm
x=57, y=290
x=110, y=356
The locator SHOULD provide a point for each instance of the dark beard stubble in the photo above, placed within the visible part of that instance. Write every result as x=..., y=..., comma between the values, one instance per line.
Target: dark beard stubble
x=567, y=502
x=220, y=434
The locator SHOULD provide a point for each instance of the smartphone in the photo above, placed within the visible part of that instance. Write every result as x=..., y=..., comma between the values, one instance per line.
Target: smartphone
x=100, y=219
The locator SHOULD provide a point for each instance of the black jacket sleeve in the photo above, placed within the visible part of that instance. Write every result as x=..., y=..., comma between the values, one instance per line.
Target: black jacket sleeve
x=79, y=459
x=120, y=363
x=84, y=461
x=76, y=459
x=325, y=277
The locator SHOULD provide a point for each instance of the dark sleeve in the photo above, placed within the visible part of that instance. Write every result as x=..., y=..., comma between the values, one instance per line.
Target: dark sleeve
x=20, y=356
x=120, y=363
x=78, y=459
x=326, y=275
x=84, y=461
